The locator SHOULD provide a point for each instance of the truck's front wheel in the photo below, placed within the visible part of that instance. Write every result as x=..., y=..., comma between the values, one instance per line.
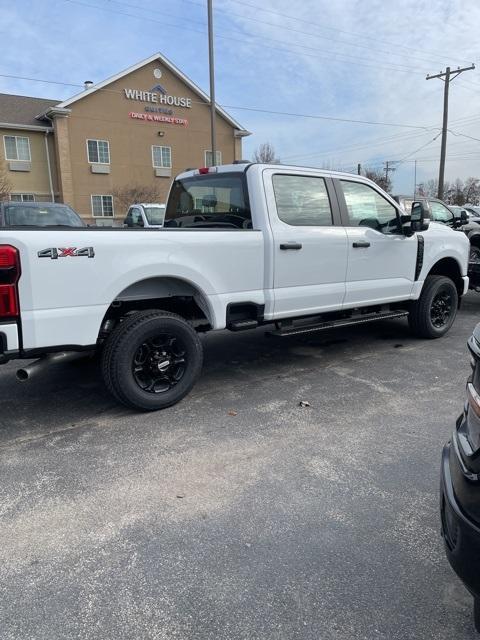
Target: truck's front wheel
x=432, y=315
x=152, y=360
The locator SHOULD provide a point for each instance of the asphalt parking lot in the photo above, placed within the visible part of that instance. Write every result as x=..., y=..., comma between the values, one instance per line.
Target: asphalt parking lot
x=238, y=514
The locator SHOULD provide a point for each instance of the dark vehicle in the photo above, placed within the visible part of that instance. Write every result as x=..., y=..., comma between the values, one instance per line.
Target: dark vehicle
x=457, y=218
x=38, y=214
x=441, y=212
x=460, y=486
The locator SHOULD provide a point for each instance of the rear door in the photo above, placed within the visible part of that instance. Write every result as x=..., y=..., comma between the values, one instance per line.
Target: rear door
x=309, y=243
x=381, y=259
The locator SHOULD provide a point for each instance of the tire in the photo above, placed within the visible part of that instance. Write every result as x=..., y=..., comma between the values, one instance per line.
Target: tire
x=151, y=360
x=432, y=315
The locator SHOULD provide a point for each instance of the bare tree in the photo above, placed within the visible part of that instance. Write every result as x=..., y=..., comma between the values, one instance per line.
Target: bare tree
x=471, y=190
x=131, y=193
x=428, y=189
x=265, y=153
x=5, y=184
x=379, y=178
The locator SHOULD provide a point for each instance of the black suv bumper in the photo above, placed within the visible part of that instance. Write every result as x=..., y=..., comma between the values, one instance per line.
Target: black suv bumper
x=460, y=533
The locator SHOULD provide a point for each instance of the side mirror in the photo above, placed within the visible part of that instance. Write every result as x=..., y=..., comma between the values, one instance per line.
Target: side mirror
x=420, y=216
x=461, y=219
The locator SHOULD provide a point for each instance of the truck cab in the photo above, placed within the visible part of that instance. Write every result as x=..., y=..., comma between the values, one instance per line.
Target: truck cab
x=145, y=215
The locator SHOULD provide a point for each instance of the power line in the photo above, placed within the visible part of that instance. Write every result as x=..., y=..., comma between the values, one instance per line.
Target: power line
x=351, y=59
x=375, y=40
x=321, y=117
x=370, y=143
x=464, y=135
x=254, y=109
x=308, y=33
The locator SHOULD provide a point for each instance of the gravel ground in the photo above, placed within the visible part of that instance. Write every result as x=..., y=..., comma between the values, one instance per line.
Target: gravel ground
x=238, y=514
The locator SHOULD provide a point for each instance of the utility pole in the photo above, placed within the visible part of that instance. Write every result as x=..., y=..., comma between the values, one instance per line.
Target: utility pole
x=359, y=169
x=415, y=181
x=388, y=168
x=446, y=76
x=211, y=63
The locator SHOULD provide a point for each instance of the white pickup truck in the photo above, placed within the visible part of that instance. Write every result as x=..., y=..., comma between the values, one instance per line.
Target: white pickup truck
x=243, y=245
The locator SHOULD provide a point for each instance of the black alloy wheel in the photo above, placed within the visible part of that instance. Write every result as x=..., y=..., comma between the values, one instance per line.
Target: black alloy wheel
x=441, y=309
x=160, y=363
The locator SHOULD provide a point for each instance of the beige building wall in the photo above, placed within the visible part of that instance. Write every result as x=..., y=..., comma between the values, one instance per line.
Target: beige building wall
x=36, y=180
x=104, y=115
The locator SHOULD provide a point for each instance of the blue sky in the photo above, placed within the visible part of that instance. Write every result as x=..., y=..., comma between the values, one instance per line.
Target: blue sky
x=349, y=59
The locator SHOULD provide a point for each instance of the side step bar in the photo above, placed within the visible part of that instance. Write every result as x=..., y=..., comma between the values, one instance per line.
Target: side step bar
x=333, y=324
x=242, y=325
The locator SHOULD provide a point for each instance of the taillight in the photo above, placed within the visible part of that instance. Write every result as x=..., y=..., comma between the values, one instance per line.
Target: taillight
x=9, y=275
x=204, y=170
x=473, y=398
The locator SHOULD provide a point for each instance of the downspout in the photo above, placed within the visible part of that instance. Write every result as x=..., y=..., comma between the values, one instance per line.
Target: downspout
x=49, y=167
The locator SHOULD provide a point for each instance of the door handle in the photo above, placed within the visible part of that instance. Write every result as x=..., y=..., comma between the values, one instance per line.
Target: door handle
x=361, y=245
x=290, y=245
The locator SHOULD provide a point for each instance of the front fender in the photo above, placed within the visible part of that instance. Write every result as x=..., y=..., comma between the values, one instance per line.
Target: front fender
x=443, y=244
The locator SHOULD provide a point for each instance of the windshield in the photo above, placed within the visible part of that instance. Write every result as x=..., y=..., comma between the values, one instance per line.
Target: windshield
x=42, y=216
x=155, y=215
x=209, y=201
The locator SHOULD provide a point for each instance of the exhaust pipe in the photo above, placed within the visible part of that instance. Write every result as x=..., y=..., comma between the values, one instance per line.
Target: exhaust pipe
x=37, y=367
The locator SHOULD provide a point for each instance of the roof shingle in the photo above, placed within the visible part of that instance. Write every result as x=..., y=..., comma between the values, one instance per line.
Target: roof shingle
x=23, y=109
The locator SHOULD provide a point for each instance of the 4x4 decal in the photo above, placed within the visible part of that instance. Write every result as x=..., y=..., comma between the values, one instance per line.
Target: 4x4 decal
x=66, y=252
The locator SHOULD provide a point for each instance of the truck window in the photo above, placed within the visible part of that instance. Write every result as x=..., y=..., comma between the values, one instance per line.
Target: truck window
x=302, y=200
x=42, y=215
x=217, y=201
x=137, y=220
x=367, y=208
x=440, y=213
x=154, y=215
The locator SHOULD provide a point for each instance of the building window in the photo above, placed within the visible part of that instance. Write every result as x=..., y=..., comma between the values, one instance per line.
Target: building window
x=161, y=157
x=102, y=206
x=208, y=158
x=98, y=151
x=22, y=197
x=17, y=148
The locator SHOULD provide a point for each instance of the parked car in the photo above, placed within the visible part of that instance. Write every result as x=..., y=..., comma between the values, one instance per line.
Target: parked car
x=456, y=218
x=145, y=215
x=297, y=248
x=460, y=486
x=38, y=214
x=472, y=210
x=440, y=211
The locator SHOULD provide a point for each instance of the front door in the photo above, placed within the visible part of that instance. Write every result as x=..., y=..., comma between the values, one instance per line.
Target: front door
x=381, y=259
x=309, y=248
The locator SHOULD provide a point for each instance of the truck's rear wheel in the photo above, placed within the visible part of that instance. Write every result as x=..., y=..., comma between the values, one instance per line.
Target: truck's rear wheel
x=152, y=360
x=432, y=315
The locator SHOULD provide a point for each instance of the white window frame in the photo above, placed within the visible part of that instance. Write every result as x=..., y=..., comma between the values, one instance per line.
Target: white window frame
x=102, y=195
x=218, y=155
x=163, y=166
x=97, y=140
x=17, y=159
x=31, y=197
